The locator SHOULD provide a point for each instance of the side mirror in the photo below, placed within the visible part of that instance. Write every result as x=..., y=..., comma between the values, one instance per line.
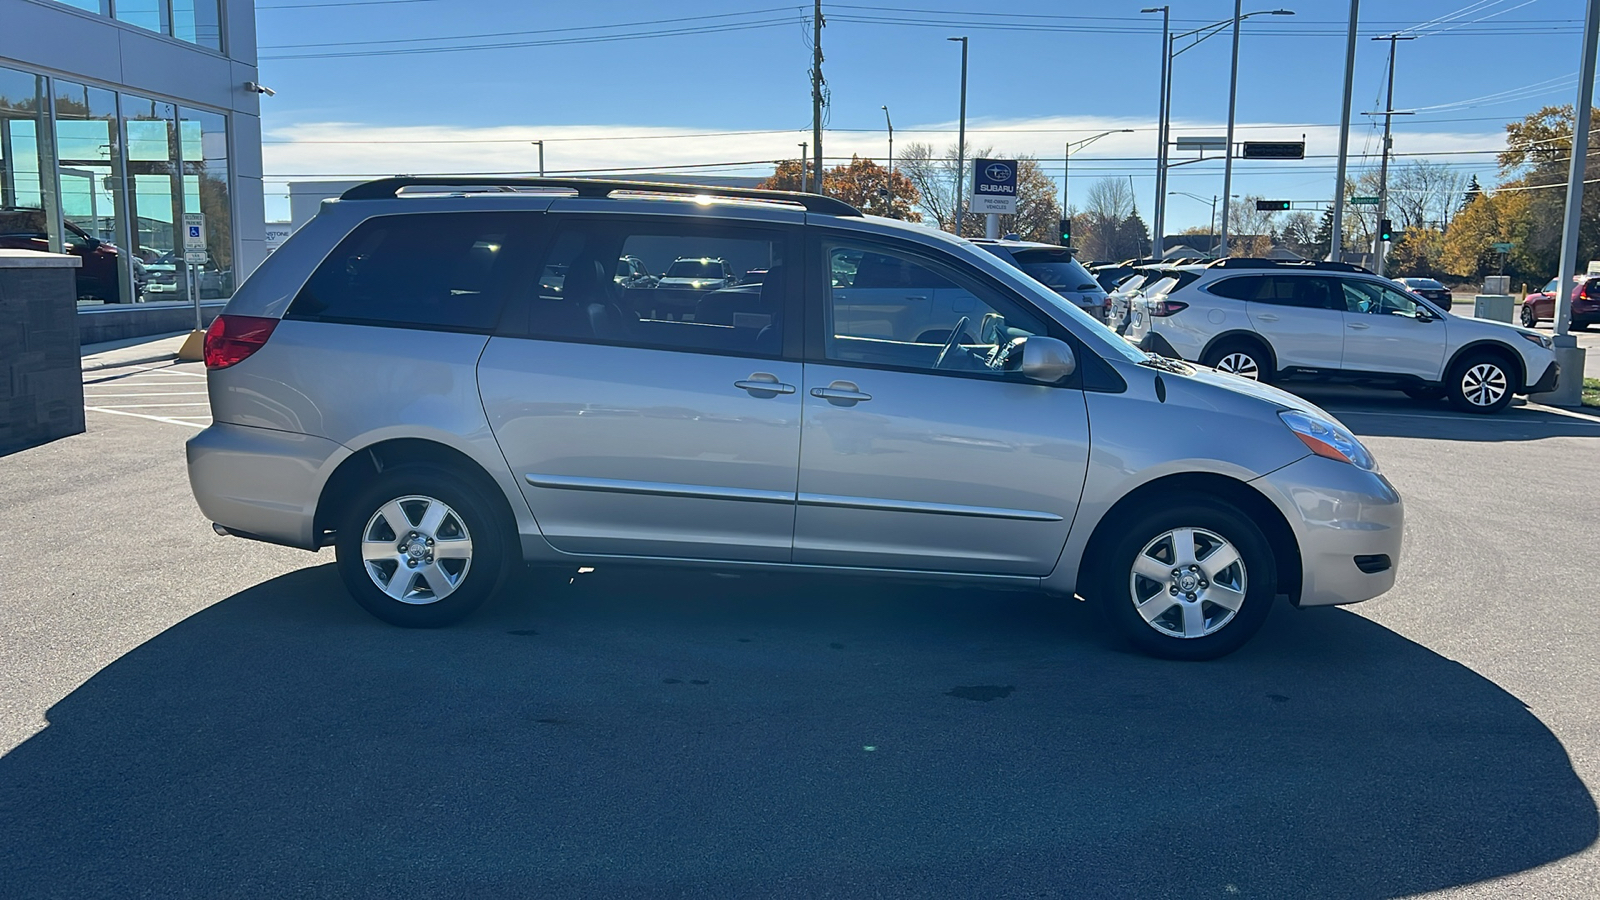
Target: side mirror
x=1047, y=360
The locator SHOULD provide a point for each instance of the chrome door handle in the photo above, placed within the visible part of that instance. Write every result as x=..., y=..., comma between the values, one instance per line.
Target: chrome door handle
x=763, y=383
x=841, y=392
x=1358, y=325
x=1267, y=318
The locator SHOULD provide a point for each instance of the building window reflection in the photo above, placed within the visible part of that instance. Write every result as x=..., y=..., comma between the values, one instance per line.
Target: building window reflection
x=205, y=190
x=89, y=177
x=196, y=21
x=154, y=210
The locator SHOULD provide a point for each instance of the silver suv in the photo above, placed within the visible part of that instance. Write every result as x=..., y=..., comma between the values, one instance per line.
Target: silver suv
x=1275, y=319
x=442, y=378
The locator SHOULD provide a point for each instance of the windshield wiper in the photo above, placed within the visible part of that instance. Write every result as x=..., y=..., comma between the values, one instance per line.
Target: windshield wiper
x=1167, y=364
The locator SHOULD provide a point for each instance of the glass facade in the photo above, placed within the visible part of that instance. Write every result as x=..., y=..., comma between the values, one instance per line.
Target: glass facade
x=195, y=21
x=109, y=178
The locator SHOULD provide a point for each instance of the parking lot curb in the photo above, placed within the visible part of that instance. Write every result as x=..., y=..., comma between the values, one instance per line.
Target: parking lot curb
x=165, y=357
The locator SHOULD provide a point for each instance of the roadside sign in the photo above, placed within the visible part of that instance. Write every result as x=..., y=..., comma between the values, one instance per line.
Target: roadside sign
x=1500, y=247
x=194, y=237
x=1594, y=267
x=1363, y=201
x=1201, y=143
x=1274, y=150
x=994, y=187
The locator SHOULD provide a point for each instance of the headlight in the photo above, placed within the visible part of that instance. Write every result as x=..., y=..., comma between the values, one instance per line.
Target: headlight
x=1541, y=340
x=1329, y=439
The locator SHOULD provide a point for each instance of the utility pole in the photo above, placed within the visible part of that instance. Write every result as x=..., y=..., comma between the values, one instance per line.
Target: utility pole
x=816, y=93
x=1233, y=102
x=1388, y=143
x=805, y=170
x=1568, y=354
x=1165, y=93
x=961, y=135
x=541, y=157
x=1336, y=241
x=888, y=196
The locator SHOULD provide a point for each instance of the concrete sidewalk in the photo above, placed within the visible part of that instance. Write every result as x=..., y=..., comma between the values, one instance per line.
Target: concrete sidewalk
x=132, y=351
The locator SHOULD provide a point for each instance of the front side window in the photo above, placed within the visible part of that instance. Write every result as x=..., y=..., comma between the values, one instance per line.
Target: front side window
x=1371, y=297
x=694, y=307
x=431, y=270
x=887, y=307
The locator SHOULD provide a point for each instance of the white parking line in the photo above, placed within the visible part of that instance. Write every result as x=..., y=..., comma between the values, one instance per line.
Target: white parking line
x=167, y=419
x=151, y=406
x=1482, y=420
x=150, y=394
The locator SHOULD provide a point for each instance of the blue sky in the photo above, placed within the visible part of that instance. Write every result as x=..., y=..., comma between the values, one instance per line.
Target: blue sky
x=1044, y=72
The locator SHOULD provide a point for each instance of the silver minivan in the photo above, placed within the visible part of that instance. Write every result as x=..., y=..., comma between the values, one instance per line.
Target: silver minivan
x=442, y=378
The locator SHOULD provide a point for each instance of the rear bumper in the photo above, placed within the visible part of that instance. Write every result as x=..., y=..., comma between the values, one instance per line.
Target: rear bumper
x=1346, y=522
x=262, y=483
x=1547, y=382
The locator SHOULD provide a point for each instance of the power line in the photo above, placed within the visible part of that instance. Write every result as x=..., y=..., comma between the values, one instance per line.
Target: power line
x=507, y=34
x=595, y=39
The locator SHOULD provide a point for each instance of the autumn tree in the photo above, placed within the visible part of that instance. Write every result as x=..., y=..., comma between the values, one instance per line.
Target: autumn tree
x=1250, y=230
x=861, y=183
x=1535, y=162
x=1300, y=233
x=1418, y=253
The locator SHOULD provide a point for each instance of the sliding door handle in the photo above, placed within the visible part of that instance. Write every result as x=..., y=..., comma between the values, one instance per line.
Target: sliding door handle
x=841, y=393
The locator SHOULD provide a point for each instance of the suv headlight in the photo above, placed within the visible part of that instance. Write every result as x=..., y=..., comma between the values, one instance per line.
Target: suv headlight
x=1328, y=439
x=1541, y=340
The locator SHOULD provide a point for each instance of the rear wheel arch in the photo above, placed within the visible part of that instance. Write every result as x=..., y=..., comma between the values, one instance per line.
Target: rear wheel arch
x=1168, y=490
x=1236, y=337
x=367, y=463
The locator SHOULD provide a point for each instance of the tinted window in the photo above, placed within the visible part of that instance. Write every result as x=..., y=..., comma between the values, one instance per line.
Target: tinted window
x=443, y=270
x=1371, y=297
x=892, y=308
x=1055, y=269
x=575, y=296
x=1287, y=290
x=1246, y=288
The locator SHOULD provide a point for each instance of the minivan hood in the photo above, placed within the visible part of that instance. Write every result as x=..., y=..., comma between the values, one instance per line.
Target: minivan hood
x=1280, y=399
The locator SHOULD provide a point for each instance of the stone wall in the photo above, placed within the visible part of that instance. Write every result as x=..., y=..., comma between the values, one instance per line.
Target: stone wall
x=41, y=381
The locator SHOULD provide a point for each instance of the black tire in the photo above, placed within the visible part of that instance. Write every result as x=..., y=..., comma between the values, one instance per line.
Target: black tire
x=489, y=535
x=1475, y=377
x=1117, y=586
x=1580, y=326
x=1424, y=393
x=1236, y=349
x=1528, y=318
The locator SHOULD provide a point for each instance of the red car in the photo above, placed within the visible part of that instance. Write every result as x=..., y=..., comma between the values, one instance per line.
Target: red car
x=1585, y=303
x=100, y=275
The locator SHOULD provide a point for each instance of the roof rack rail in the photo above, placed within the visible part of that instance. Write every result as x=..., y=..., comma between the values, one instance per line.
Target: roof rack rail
x=1256, y=262
x=389, y=188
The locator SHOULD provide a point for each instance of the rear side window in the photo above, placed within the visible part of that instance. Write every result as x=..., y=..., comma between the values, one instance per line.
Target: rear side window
x=432, y=270
x=1246, y=288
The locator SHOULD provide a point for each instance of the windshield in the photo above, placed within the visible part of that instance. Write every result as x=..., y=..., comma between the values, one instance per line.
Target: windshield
x=1056, y=269
x=695, y=268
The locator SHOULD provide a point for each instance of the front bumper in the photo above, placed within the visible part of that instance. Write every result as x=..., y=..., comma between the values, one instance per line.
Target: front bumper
x=1339, y=513
x=1548, y=381
x=261, y=483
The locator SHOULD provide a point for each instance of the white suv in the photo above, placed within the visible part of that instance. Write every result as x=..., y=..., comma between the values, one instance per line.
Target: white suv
x=1276, y=319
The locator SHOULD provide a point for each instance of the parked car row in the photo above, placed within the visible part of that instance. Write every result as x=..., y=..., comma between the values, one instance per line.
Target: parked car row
x=1273, y=320
x=1541, y=306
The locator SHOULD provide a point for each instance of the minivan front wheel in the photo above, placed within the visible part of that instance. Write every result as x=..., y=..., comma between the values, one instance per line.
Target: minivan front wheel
x=420, y=547
x=1192, y=581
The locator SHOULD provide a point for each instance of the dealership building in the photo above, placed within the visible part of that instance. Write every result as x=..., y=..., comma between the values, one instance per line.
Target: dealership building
x=130, y=137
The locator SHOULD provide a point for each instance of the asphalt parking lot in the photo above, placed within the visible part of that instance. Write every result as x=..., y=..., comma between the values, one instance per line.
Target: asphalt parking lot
x=189, y=715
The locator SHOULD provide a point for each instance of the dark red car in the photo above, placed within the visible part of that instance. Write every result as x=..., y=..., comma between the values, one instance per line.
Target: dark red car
x=23, y=228
x=1541, y=307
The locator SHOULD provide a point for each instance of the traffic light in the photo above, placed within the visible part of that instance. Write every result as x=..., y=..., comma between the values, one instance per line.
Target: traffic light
x=1273, y=205
x=1386, y=230
x=1066, y=231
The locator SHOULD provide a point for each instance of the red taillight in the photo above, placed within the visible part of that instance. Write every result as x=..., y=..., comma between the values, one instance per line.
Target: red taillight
x=1163, y=308
x=231, y=339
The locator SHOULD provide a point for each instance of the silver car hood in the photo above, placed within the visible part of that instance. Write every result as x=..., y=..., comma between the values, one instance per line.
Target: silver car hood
x=1278, y=398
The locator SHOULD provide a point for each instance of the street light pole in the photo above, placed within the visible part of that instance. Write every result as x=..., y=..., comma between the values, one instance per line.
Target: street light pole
x=805, y=169
x=1212, y=237
x=1233, y=102
x=1336, y=240
x=889, y=196
x=961, y=135
x=1165, y=91
x=1066, y=161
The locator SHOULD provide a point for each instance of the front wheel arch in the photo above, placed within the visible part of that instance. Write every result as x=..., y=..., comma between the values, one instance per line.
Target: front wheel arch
x=1508, y=355
x=1220, y=344
x=1165, y=490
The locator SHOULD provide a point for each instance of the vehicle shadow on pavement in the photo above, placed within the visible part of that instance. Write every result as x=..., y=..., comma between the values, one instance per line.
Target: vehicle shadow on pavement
x=659, y=733
x=1379, y=413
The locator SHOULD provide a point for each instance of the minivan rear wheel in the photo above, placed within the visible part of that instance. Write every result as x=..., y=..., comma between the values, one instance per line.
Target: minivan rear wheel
x=420, y=547
x=1189, y=581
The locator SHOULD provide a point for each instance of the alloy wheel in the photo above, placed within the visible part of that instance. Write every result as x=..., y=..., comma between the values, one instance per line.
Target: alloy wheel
x=416, y=549
x=1242, y=364
x=1188, y=583
x=1483, y=384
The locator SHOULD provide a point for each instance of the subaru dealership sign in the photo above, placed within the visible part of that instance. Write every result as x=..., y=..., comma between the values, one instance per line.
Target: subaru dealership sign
x=994, y=186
